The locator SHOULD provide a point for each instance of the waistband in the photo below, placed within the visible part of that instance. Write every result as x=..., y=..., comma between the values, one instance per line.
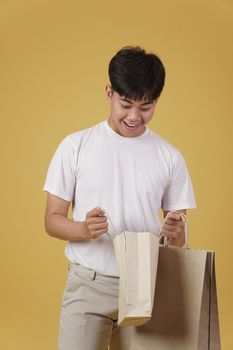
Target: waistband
x=93, y=275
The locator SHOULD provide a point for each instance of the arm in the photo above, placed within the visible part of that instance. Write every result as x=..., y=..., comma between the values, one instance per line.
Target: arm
x=58, y=225
x=173, y=229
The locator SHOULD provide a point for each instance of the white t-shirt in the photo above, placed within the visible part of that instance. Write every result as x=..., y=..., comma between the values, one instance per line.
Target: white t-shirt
x=130, y=178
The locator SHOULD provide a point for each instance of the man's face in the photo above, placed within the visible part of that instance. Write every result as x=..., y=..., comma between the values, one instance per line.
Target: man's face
x=128, y=117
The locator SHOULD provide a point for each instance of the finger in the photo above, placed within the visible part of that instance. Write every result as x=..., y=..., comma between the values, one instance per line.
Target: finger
x=96, y=227
x=101, y=212
x=98, y=233
x=92, y=220
x=173, y=228
x=169, y=228
x=96, y=212
x=169, y=234
x=174, y=216
x=174, y=223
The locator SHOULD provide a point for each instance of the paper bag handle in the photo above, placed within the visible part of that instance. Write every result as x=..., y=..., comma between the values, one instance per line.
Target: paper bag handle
x=164, y=240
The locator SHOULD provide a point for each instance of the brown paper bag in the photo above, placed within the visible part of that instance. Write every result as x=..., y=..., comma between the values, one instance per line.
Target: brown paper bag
x=185, y=313
x=137, y=257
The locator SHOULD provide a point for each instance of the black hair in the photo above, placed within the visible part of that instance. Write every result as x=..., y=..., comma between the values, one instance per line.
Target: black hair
x=136, y=75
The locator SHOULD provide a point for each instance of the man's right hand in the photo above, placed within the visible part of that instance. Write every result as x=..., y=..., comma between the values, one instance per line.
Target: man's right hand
x=95, y=223
x=58, y=225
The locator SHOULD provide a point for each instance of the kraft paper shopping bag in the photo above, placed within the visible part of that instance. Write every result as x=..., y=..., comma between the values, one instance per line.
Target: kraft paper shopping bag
x=185, y=313
x=137, y=257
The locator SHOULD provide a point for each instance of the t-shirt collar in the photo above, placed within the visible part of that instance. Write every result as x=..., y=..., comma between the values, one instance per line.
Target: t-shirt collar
x=121, y=138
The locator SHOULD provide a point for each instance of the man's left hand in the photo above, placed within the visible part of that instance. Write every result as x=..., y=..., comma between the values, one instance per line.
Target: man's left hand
x=174, y=229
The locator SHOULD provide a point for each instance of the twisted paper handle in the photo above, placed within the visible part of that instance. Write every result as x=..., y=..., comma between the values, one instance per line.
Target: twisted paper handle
x=108, y=217
x=163, y=239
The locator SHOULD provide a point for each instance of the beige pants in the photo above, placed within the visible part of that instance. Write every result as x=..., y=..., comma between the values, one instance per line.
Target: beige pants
x=89, y=312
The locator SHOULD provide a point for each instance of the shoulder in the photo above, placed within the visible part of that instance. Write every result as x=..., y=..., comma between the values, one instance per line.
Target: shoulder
x=164, y=147
x=77, y=138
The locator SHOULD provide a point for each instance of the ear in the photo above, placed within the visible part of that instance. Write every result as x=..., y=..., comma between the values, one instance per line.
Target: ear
x=109, y=91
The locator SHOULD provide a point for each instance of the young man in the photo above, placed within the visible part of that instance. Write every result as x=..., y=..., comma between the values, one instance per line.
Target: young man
x=117, y=175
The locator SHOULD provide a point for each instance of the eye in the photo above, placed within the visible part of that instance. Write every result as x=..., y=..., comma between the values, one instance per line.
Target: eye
x=124, y=106
x=145, y=109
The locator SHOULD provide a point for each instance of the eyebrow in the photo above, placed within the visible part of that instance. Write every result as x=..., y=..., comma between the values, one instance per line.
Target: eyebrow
x=143, y=104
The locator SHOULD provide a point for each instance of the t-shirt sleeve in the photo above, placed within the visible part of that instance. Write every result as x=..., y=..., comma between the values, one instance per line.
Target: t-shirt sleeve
x=179, y=192
x=60, y=179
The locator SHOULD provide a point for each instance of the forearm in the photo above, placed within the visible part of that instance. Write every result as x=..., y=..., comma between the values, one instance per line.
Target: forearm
x=61, y=227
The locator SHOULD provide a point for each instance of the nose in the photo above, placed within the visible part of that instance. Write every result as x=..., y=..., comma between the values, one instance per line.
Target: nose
x=133, y=116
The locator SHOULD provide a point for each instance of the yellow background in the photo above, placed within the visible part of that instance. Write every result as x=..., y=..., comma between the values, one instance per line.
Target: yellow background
x=53, y=61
